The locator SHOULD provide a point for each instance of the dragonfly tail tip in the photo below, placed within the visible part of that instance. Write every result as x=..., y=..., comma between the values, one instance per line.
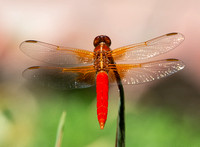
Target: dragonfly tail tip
x=101, y=125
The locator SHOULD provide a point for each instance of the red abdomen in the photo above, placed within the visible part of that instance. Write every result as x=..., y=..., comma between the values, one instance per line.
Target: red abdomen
x=102, y=97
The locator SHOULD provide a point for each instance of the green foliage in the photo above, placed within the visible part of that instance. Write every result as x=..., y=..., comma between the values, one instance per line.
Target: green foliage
x=146, y=126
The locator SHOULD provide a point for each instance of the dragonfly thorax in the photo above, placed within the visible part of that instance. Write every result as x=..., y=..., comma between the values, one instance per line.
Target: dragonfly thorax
x=101, y=57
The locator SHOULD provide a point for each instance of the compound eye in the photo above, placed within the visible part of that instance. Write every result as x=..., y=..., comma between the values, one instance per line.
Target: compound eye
x=97, y=40
x=107, y=40
x=100, y=39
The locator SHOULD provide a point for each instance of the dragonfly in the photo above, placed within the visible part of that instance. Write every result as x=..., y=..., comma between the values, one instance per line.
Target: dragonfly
x=72, y=68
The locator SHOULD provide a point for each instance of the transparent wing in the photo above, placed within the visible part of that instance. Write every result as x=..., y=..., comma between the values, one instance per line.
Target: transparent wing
x=138, y=52
x=55, y=54
x=62, y=78
x=145, y=72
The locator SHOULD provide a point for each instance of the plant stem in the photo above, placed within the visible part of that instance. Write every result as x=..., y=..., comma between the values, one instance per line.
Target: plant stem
x=120, y=135
x=60, y=130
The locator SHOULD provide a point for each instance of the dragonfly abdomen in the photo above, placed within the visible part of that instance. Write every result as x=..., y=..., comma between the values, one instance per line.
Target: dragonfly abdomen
x=102, y=97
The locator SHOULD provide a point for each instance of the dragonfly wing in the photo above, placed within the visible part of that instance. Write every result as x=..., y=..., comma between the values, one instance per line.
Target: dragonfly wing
x=55, y=54
x=62, y=78
x=142, y=51
x=145, y=72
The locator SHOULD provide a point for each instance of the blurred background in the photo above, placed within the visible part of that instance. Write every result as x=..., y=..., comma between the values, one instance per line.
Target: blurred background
x=161, y=113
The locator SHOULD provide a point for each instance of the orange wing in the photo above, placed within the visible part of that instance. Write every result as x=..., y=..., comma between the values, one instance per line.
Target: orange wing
x=62, y=78
x=55, y=54
x=137, y=52
x=145, y=72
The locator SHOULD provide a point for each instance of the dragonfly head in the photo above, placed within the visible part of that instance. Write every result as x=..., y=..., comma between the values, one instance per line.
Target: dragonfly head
x=102, y=38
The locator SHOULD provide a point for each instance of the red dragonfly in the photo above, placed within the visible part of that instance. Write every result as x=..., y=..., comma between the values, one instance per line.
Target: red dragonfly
x=77, y=68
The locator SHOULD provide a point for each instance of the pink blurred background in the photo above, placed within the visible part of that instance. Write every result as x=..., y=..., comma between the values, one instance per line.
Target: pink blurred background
x=76, y=23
